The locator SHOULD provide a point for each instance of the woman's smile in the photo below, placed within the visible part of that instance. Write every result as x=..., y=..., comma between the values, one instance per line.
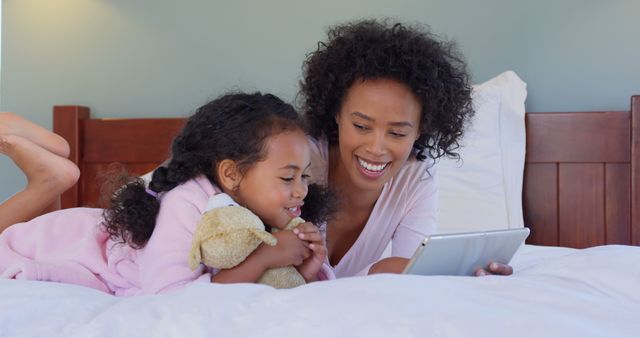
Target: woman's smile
x=370, y=169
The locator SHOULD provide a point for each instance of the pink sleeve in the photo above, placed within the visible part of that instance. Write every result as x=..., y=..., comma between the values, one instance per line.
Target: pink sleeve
x=163, y=263
x=420, y=219
x=326, y=272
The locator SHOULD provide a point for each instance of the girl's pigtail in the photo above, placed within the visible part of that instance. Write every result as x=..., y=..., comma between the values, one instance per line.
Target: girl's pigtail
x=131, y=216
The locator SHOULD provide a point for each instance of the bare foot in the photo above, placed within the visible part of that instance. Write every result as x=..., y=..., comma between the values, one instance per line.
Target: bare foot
x=45, y=171
x=14, y=124
x=48, y=176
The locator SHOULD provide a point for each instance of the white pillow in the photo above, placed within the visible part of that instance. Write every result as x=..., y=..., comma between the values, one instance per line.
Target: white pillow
x=483, y=190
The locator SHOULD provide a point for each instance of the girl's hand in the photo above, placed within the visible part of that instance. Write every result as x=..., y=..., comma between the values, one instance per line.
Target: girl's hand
x=290, y=250
x=389, y=265
x=311, y=266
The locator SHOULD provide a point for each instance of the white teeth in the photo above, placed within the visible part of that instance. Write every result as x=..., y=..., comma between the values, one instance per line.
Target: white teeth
x=371, y=167
x=293, y=209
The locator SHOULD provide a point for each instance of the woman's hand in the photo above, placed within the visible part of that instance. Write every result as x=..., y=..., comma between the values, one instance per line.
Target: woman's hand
x=495, y=268
x=290, y=250
x=311, y=266
x=389, y=265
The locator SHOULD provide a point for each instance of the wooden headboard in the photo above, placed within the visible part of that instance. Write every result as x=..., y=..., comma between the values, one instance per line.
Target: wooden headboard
x=581, y=176
x=581, y=185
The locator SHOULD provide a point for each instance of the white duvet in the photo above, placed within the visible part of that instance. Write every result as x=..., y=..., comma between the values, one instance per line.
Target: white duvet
x=555, y=292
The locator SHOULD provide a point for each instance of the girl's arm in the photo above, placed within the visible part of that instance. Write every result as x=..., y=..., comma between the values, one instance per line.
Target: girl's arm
x=246, y=272
x=290, y=250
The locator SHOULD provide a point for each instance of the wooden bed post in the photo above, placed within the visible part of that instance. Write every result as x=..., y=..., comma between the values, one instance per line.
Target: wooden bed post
x=635, y=170
x=67, y=123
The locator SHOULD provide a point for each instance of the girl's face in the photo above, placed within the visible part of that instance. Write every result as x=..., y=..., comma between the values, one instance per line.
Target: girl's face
x=274, y=188
x=377, y=125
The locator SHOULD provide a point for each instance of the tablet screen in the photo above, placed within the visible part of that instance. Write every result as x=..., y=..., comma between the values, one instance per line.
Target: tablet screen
x=462, y=254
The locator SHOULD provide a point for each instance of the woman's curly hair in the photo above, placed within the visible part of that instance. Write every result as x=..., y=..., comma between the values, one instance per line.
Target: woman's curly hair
x=432, y=69
x=234, y=126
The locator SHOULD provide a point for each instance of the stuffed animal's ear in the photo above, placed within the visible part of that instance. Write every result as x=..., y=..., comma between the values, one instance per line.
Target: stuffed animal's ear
x=294, y=222
x=264, y=236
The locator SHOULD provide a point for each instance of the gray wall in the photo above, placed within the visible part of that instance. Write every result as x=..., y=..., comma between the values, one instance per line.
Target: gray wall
x=166, y=57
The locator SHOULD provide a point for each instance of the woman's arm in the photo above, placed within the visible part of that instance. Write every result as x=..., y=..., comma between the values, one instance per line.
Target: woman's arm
x=389, y=265
x=420, y=221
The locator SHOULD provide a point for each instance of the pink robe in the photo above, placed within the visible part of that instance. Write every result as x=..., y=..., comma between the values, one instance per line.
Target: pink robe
x=68, y=246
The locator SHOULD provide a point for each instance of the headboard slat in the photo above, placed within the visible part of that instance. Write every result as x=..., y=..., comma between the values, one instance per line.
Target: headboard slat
x=635, y=170
x=581, y=201
x=540, y=202
x=582, y=136
x=130, y=140
x=618, y=203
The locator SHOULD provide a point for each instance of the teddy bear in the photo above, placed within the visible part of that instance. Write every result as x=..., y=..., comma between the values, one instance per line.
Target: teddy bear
x=228, y=233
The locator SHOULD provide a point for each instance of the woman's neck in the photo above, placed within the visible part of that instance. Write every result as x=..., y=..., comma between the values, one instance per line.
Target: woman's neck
x=351, y=196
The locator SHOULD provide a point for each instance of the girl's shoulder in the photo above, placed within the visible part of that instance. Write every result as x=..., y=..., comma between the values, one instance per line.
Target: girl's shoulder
x=195, y=191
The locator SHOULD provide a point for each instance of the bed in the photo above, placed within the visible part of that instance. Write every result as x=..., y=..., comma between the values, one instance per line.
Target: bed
x=578, y=275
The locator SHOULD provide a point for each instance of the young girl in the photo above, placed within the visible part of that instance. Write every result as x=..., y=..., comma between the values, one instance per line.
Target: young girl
x=41, y=155
x=249, y=146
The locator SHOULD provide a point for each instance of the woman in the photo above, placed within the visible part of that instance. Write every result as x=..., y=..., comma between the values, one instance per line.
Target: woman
x=382, y=102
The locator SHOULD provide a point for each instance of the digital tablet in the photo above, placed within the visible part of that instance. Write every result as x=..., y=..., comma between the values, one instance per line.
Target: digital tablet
x=463, y=253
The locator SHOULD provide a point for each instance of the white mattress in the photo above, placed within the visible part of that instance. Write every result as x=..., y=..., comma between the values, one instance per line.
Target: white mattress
x=555, y=292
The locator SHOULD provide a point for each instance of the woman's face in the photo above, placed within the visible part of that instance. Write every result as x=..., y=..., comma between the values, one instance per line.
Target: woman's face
x=377, y=125
x=274, y=188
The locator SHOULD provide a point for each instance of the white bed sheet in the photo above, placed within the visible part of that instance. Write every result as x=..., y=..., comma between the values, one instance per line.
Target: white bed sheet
x=555, y=292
